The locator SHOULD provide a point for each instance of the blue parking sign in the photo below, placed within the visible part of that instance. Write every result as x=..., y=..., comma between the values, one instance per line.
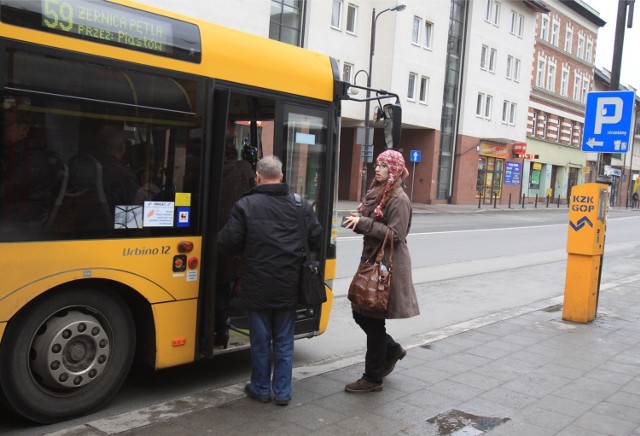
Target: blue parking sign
x=608, y=122
x=415, y=156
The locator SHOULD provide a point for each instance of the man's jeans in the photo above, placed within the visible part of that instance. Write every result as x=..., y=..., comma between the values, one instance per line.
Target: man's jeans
x=266, y=326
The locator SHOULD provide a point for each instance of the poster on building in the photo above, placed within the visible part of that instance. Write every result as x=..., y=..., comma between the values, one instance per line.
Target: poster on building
x=512, y=173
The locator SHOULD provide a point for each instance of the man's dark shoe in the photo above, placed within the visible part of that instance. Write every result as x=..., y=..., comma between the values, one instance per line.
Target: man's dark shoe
x=250, y=394
x=282, y=401
x=390, y=362
x=362, y=386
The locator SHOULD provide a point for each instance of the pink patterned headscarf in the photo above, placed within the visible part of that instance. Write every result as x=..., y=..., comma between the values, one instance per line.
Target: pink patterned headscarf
x=397, y=170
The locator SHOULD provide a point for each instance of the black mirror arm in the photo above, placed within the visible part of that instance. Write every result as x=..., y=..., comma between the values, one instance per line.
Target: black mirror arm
x=380, y=93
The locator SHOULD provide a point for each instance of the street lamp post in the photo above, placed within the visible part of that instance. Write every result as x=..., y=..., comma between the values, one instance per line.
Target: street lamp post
x=372, y=46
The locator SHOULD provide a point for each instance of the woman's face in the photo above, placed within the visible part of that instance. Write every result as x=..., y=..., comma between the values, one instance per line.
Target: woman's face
x=382, y=172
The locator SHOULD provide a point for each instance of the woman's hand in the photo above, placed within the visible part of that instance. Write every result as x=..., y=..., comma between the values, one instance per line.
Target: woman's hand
x=351, y=221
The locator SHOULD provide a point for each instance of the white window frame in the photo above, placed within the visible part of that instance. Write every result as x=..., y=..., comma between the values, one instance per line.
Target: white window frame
x=348, y=69
x=534, y=123
x=411, y=86
x=351, y=25
x=423, y=96
x=544, y=29
x=428, y=35
x=514, y=22
x=555, y=32
x=589, y=52
x=488, y=107
x=577, y=83
x=509, y=67
x=580, y=51
x=415, y=30
x=551, y=76
x=541, y=73
x=505, y=110
x=484, y=57
x=520, y=25
x=513, y=107
x=487, y=12
x=493, y=60
x=337, y=14
x=480, y=105
x=516, y=70
x=495, y=18
x=568, y=40
x=564, y=82
x=585, y=90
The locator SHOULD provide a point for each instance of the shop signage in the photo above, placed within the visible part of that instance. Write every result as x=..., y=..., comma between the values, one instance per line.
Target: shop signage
x=519, y=147
x=512, y=173
x=493, y=150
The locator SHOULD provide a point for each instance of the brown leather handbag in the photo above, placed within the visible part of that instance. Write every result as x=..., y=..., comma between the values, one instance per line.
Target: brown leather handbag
x=371, y=285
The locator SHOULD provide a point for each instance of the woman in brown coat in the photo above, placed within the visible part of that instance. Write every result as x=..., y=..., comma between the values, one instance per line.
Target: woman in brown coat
x=386, y=206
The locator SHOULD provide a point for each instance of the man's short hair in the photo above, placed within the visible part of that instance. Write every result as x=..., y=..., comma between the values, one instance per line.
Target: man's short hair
x=269, y=167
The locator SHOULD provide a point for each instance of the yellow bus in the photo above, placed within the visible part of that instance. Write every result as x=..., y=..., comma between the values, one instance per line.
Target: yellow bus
x=115, y=121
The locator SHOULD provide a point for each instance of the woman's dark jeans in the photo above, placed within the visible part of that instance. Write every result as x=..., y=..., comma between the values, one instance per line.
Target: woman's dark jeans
x=380, y=345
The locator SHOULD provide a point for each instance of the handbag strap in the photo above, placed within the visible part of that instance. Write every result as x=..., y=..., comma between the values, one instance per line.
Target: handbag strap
x=380, y=250
x=301, y=226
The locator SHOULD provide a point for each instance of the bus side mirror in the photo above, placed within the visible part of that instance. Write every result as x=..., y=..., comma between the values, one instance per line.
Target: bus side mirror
x=392, y=124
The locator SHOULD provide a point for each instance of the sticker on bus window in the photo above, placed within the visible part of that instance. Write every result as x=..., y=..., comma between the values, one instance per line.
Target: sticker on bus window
x=127, y=217
x=183, y=215
x=183, y=199
x=158, y=213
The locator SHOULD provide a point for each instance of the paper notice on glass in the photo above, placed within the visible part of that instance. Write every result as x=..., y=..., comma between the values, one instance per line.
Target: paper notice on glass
x=158, y=213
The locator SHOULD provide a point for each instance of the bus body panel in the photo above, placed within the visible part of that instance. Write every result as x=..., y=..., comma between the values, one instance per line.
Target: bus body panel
x=3, y=326
x=118, y=260
x=175, y=332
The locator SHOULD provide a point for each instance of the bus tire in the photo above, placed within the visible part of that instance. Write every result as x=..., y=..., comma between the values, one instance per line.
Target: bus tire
x=67, y=354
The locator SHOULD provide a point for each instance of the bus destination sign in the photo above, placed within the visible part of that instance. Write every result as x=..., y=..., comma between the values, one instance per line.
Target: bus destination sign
x=108, y=23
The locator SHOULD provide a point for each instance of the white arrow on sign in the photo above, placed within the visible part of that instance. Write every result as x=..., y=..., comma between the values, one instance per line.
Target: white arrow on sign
x=593, y=143
x=415, y=156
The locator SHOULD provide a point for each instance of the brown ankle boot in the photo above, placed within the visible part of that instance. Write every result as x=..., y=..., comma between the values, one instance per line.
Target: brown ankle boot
x=390, y=362
x=363, y=386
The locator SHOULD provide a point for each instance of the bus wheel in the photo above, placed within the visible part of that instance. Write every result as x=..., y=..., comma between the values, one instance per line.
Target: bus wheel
x=67, y=354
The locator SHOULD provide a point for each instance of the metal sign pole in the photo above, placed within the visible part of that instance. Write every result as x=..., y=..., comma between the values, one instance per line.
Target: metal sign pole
x=413, y=177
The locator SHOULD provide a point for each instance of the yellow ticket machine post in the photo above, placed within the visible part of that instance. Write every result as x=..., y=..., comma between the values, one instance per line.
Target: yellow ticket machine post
x=585, y=246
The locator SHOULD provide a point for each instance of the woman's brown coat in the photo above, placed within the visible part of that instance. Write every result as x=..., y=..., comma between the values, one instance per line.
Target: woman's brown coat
x=396, y=216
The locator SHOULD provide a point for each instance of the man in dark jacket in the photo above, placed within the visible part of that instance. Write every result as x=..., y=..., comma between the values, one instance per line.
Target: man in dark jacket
x=264, y=226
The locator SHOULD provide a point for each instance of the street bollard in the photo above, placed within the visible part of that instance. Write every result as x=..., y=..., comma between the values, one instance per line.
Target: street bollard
x=559, y=202
x=479, y=201
x=548, y=197
x=523, y=201
x=536, y=202
x=495, y=200
x=509, y=201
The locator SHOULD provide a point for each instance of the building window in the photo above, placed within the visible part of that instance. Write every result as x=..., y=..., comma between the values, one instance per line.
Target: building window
x=564, y=82
x=492, y=60
x=336, y=14
x=487, y=11
x=545, y=126
x=509, y=67
x=512, y=114
x=514, y=22
x=589, y=53
x=411, y=89
x=568, y=40
x=555, y=30
x=577, y=81
x=516, y=70
x=488, y=107
x=415, y=33
x=520, y=26
x=480, y=105
x=286, y=20
x=505, y=111
x=542, y=67
x=496, y=14
x=352, y=18
x=544, y=29
x=484, y=55
x=428, y=34
x=551, y=77
x=580, y=52
x=534, y=123
x=508, y=112
x=424, y=89
x=559, y=134
x=347, y=72
x=585, y=90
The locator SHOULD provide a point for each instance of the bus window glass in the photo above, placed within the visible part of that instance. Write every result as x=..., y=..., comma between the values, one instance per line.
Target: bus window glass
x=78, y=163
x=306, y=142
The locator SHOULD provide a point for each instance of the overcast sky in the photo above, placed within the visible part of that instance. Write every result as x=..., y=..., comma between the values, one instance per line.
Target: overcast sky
x=630, y=68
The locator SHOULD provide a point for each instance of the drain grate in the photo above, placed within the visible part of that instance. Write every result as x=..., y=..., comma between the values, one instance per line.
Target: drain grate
x=457, y=422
